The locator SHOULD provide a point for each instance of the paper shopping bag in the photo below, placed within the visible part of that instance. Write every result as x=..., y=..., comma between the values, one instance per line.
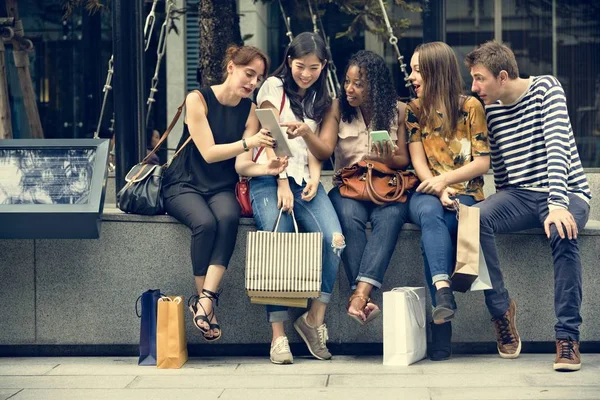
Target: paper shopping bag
x=467, y=249
x=171, y=345
x=284, y=264
x=483, y=281
x=280, y=301
x=148, y=314
x=404, y=329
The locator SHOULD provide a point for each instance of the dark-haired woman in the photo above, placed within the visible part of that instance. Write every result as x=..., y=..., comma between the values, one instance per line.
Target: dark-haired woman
x=368, y=102
x=297, y=94
x=198, y=187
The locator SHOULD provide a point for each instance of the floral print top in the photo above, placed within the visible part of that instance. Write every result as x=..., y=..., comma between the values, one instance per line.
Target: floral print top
x=470, y=139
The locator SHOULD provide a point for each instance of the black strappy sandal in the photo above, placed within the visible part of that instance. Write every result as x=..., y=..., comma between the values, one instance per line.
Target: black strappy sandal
x=214, y=298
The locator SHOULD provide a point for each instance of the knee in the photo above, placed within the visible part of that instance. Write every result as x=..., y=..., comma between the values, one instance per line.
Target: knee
x=206, y=225
x=338, y=243
x=229, y=218
x=556, y=240
x=429, y=209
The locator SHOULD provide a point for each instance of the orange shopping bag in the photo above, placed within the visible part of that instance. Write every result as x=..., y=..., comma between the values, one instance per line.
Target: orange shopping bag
x=171, y=344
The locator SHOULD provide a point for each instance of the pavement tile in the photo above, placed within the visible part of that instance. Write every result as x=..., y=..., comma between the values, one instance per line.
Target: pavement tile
x=65, y=382
x=7, y=393
x=103, y=369
x=580, y=378
x=326, y=394
x=113, y=394
x=232, y=381
x=310, y=366
x=512, y=393
x=21, y=369
x=434, y=380
x=67, y=360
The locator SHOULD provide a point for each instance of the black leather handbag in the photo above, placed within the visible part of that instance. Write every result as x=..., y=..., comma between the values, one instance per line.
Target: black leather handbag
x=142, y=191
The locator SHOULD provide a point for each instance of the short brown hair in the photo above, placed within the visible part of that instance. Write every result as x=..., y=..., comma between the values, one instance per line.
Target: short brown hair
x=244, y=55
x=496, y=57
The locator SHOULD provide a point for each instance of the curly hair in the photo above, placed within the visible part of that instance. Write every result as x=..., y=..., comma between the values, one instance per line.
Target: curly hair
x=305, y=44
x=381, y=95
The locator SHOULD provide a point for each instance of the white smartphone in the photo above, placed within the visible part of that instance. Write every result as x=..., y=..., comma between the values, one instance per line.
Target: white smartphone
x=268, y=120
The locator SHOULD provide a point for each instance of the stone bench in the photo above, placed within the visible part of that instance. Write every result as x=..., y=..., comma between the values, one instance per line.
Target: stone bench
x=77, y=296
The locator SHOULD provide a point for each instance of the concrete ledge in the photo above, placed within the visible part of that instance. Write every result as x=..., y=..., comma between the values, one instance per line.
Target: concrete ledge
x=82, y=292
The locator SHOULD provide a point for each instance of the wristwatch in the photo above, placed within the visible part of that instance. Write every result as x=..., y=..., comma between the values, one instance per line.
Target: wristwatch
x=283, y=175
x=246, y=148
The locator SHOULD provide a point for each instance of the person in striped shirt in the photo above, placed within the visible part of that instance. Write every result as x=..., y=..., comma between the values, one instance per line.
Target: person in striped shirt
x=539, y=181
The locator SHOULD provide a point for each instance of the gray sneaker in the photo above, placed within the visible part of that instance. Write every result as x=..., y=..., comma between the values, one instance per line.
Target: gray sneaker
x=280, y=351
x=315, y=338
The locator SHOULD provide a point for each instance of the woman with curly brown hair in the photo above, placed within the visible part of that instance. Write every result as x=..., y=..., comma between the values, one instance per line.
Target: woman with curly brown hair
x=368, y=103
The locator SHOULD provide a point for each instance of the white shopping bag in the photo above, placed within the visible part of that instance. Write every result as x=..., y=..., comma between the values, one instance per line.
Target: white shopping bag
x=483, y=281
x=404, y=330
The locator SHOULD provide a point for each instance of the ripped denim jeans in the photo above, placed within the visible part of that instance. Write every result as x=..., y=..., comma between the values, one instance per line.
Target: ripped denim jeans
x=317, y=215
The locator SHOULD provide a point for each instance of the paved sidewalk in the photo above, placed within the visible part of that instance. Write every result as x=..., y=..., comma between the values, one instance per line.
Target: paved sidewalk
x=463, y=377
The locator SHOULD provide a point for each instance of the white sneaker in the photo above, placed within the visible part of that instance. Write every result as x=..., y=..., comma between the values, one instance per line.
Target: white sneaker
x=280, y=351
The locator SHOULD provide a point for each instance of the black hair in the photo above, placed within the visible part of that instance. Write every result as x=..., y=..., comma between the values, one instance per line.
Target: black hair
x=382, y=96
x=305, y=44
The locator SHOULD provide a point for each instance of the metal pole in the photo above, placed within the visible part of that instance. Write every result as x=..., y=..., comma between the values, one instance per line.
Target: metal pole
x=554, y=40
x=128, y=93
x=498, y=20
x=434, y=21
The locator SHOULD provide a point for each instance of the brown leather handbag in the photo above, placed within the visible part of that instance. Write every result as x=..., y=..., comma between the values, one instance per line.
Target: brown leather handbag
x=369, y=180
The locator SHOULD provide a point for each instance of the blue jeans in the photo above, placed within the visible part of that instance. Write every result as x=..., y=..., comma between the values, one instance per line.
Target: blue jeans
x=366, y=260
x=316, y=215
x=513, y=210
x=438, y=235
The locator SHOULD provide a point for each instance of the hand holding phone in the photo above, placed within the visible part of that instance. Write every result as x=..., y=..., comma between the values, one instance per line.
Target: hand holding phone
x=380, y=137
x=382, y=145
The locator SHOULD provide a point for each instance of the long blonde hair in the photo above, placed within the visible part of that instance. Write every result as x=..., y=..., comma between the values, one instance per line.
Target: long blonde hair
x=443, y=86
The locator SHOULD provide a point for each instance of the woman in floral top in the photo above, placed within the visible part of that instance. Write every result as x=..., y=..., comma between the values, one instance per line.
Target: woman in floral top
x=449, y=149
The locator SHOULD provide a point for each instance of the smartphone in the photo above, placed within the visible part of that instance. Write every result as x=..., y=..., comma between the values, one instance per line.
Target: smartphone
x=381, y=137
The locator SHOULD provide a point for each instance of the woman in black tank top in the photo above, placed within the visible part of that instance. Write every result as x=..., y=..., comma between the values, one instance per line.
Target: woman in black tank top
x=198, y=187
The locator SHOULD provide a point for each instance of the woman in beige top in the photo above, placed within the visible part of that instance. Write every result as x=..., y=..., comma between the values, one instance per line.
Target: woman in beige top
x=368, y=103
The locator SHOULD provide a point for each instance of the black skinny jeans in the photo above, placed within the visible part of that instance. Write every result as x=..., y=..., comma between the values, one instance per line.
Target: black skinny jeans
x=213, y=221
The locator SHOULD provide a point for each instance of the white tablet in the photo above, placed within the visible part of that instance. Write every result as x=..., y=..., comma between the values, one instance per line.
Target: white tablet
x=267, y=119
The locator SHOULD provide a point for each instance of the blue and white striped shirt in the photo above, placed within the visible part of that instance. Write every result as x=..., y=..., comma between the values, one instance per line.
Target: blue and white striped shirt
x=532, y=144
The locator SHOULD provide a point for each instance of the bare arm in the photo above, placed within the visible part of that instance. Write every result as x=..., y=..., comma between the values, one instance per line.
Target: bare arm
x=202, y=134
x=401, y=157
x=314, y=167
x=419, y=161
x=323, y=145
x=479, y=166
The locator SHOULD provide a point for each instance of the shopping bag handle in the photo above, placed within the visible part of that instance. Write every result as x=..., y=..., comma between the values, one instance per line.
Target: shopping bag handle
x=177, y=299
x=279, y=217
x=137, y=304
x=413, y=298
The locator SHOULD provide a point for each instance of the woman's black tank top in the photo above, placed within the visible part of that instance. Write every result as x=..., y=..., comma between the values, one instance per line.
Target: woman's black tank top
x=189, y=172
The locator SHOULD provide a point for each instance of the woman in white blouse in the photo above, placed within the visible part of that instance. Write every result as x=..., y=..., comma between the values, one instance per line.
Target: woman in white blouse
x=297, y=93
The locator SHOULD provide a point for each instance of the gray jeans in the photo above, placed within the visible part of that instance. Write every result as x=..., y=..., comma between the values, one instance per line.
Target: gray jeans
x=513, y=210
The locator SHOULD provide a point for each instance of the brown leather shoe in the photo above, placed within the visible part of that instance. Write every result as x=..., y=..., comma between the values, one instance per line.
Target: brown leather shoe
x=509, y=341
x=567, y=355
